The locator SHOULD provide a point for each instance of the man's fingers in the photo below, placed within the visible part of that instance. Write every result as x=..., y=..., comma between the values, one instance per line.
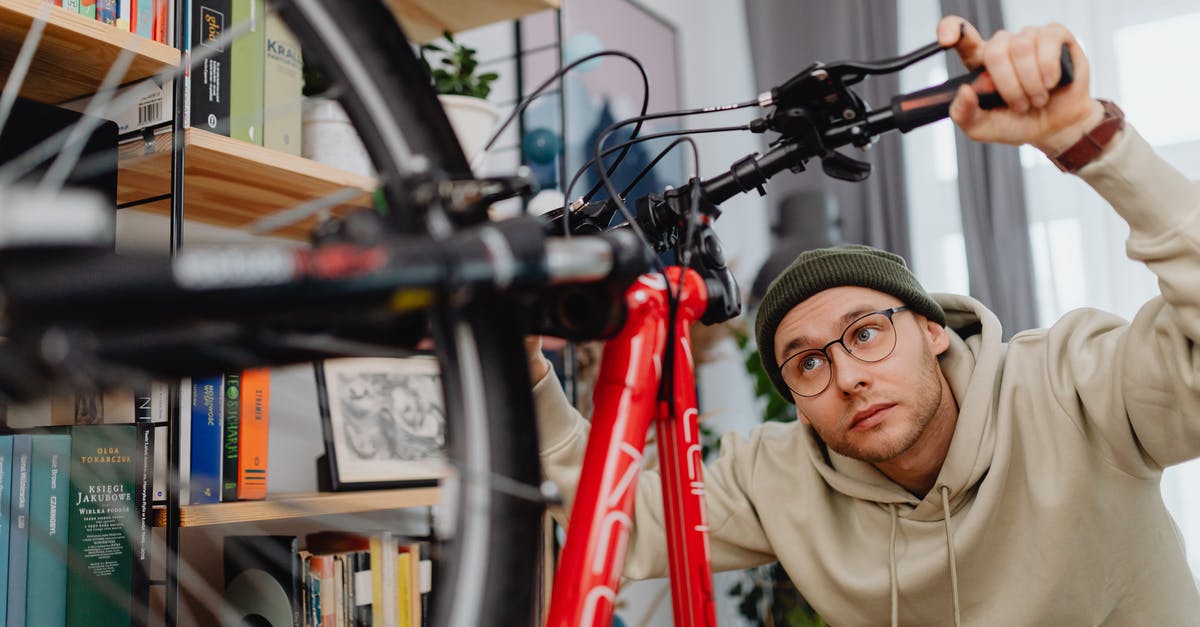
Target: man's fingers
x=959, y=33
x=1025, y=60
x=965, y=107
x=997, y=60
x=1049, y=52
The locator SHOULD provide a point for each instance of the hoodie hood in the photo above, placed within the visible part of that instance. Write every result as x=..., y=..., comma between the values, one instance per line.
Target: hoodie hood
x=970, y=366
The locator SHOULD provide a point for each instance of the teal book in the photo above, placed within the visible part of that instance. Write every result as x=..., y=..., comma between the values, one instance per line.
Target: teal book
x=18, y=529
x=102, y=517
x=6, y=450
x=49, y=489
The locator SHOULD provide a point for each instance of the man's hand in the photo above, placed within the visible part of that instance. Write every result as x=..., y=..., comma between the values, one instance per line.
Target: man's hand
x=1024, y=66
x=538, y=365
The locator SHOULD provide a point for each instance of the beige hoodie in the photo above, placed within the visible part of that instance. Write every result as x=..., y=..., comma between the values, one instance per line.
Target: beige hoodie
x=1051, y=481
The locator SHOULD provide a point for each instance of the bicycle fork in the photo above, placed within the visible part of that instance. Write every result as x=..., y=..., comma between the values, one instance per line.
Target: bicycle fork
x=626, y=401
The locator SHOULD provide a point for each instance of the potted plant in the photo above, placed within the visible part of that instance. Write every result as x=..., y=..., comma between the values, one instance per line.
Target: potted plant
x=463, y=90
x=327, y=135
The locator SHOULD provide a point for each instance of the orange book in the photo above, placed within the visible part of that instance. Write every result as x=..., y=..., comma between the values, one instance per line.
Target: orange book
x=253, y=434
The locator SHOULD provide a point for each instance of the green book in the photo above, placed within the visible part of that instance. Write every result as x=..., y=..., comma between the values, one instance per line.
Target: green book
x=102, y=517
x=246, y=72
x=229, y=447
x=49, y=491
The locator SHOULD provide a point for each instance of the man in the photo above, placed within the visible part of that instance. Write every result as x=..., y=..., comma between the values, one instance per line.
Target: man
x=937, y=475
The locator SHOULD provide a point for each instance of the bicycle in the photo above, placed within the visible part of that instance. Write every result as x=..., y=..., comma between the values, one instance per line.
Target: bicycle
x=74, y=312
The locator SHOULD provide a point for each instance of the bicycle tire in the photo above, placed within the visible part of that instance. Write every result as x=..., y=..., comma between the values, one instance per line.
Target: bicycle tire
x=487, y=571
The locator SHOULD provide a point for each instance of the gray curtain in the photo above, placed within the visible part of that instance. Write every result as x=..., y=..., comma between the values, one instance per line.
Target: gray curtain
x=991, y=191
x=788, y=35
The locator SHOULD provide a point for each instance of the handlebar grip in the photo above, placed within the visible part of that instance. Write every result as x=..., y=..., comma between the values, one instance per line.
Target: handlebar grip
x=932, y=104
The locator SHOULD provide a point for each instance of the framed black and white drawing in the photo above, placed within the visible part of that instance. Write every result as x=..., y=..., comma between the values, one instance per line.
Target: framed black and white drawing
x=384, y=422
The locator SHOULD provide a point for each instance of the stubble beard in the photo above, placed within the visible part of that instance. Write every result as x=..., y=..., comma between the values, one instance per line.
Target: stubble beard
x=877, y=447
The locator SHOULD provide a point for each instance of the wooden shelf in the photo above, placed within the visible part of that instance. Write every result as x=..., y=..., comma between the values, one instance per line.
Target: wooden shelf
x=75, y=52
x=424, y=20
x=301, y=506
x=231, y=183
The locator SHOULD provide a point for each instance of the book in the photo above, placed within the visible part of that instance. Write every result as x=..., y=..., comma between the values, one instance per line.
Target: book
x=6, y=451
x=205, y=475
x=142, y=18
x=18, y=529
x=283, y=86
x=49, y=491
x=87, y=8
x=143, y=499
x=153, y=104
x=161, y=30
x=246, y=62
x=124, y=15
x=264, y=577
x=102, y=517
x=229, y=437
x=106, y=11
x=254, y=434
x=361, y=590
x=209, y=81
x=323, y=604
x=71, y=5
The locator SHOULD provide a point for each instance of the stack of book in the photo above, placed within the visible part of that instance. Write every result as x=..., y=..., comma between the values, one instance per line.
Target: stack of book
x=230, y=428
x=146, y=18
x=337, y=578
x=75, y=507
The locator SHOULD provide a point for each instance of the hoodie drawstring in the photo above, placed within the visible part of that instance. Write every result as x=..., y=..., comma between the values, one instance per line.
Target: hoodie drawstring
x=892, y=570
x=945, y=490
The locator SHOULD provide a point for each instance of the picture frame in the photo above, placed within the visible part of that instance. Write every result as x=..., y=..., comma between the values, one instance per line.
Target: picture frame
x=384, y=422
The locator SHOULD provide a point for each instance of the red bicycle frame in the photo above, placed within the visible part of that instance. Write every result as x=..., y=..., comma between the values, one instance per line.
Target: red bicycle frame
x=626, y=400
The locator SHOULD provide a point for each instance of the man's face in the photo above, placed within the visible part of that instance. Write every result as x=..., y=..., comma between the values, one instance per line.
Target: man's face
x=870, y=411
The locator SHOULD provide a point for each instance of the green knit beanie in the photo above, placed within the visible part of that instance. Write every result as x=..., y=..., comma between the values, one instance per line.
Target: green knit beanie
x=823, y=268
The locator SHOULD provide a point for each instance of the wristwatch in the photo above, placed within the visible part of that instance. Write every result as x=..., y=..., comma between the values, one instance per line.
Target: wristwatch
x=1092, y=144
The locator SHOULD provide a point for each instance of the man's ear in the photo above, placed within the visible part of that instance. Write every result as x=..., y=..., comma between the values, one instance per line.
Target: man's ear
x=936, y=335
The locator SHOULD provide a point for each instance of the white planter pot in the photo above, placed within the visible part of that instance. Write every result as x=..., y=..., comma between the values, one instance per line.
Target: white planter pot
x=474, y=120
x=328, y=136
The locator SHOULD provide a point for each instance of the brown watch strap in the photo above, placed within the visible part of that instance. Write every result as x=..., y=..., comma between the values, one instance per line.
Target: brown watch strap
x=1092, y=144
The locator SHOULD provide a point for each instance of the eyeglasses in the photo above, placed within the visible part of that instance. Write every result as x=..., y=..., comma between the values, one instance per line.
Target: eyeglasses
x=870, y=338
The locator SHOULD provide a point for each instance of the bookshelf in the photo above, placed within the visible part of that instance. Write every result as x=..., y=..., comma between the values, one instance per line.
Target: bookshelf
x=75, y=52
x=229, y=182
x=424, y=20
x=301, y=506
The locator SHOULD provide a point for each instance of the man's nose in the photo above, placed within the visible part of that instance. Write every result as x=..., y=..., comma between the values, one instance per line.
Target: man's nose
x=848, y=372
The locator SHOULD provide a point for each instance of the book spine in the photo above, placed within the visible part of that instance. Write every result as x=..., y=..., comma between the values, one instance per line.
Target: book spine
x=247, y=56
x=143, y=499
x=210, y=80
x=87, y=8
x=125, y=15
x=143, y=18
x=229, y=445
x=106, y=11
x=159, y=29
x=361, y=589
x=18, y=530
x=205, y=478
x=254, y=434
x=283, y=86
x=6, y=467
x=100, y=556
x=71, y=5
x=49, y=481
x=322, y=571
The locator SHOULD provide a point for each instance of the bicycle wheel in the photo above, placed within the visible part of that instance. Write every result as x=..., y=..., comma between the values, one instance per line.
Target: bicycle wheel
x=486, y=571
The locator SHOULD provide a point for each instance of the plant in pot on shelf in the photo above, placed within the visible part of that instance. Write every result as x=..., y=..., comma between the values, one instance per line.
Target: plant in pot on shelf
x=463, y=89
x=327, y=135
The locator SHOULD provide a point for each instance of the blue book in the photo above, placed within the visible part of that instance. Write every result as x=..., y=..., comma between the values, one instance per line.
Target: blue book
x=207, y=440
x=6, y=449
x=49, y=493
x=18, y=530
x=106, y=11
x=145, y=18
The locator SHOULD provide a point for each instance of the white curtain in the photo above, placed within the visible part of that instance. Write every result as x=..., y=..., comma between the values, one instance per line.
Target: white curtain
x=1142, y=56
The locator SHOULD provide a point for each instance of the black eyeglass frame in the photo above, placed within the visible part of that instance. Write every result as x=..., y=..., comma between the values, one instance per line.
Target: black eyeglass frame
x=824, y=350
